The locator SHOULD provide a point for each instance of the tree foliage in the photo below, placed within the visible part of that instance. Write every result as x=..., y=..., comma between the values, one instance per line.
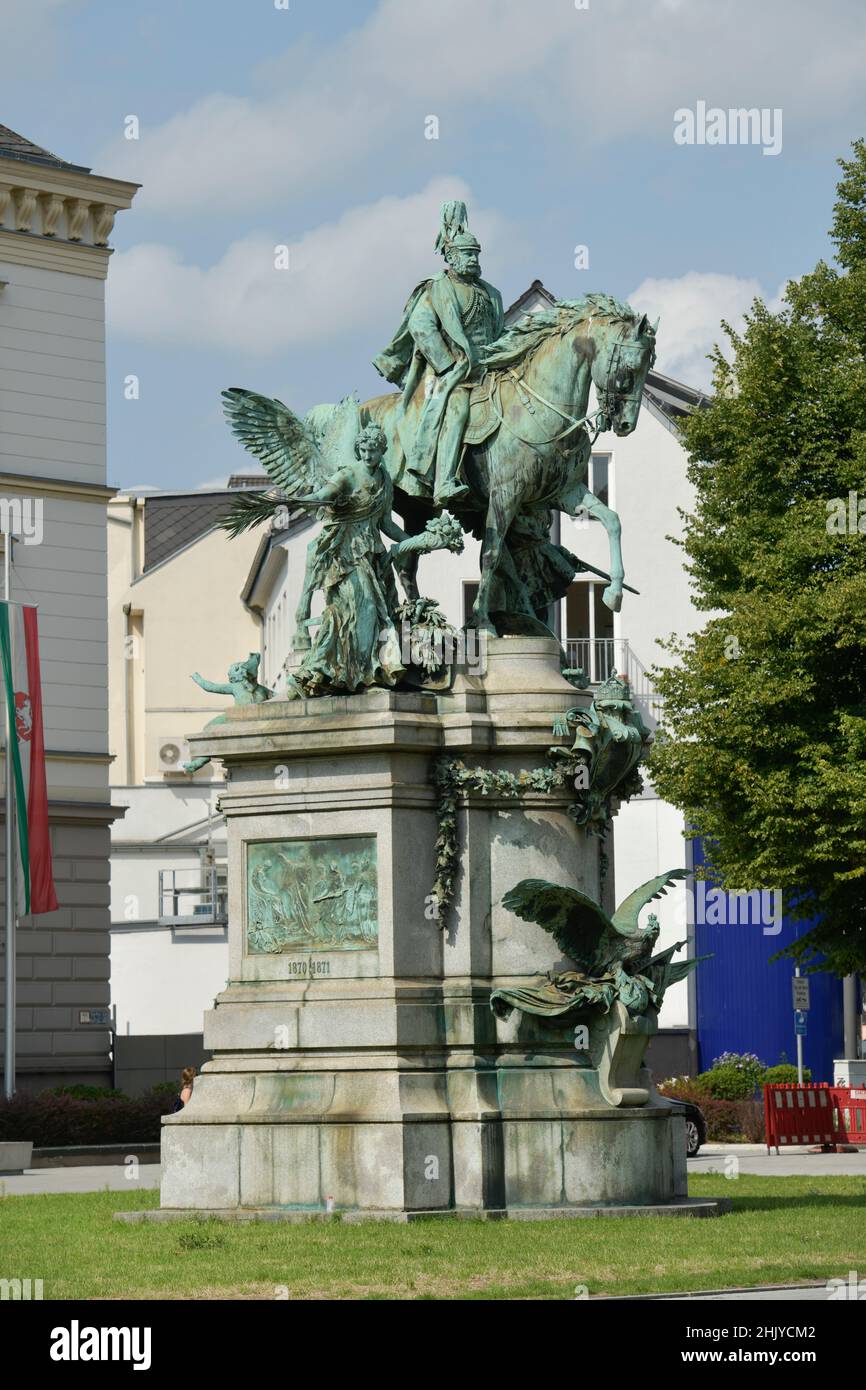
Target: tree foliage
x=764, y=739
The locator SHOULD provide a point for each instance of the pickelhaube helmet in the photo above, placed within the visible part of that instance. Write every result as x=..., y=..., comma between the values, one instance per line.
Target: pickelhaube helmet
x=454, y=230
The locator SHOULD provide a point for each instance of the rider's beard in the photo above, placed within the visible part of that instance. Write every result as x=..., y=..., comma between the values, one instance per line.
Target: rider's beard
x=466, y=272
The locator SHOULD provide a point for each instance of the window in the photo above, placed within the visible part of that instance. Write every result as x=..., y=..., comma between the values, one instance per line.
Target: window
x=470, y=594
x=589, y=640
x=599, y=477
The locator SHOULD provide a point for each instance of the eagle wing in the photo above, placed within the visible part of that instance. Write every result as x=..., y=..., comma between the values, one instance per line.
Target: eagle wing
x=625, y=919
x=576, y=923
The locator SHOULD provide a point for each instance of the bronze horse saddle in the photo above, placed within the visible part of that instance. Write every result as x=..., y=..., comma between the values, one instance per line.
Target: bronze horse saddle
x=483, y=419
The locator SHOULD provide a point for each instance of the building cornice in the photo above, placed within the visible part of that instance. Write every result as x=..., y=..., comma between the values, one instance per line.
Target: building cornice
x=30, y=485
x=59, y=219
x=64, y=812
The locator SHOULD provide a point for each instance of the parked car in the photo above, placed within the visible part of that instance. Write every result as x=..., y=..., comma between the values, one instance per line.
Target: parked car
x=696, y=1125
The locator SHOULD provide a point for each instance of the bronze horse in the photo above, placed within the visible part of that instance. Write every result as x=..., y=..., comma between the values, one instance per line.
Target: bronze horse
x=535, y=455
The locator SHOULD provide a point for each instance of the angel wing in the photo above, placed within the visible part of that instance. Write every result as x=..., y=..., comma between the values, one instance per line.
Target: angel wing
x=576, y=923
x=299, y=454
x=625, y=919
x=334, y=429
x=276, y=436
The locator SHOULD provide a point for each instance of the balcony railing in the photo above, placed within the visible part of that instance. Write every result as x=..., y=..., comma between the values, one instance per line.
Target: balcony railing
x=602, y=657
x=184, y=905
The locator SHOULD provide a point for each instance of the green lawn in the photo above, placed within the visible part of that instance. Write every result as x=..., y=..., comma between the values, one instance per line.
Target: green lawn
x=781, y=1230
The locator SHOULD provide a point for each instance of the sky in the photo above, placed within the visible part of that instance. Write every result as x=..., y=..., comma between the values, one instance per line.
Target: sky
x=306, y=124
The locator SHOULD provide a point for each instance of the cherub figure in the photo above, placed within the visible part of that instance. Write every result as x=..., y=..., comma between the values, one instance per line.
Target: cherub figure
x=242, y=684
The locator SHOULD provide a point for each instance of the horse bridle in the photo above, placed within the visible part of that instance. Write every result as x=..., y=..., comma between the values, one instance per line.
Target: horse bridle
x=524, y=390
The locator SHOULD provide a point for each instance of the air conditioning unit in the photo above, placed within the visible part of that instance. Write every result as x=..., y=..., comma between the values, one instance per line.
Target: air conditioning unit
x=172, y=753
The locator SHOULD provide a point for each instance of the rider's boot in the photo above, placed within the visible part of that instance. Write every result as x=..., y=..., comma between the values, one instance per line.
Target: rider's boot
x=448, y=488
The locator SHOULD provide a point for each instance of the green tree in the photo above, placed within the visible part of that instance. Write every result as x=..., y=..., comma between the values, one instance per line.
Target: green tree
x=764, y=740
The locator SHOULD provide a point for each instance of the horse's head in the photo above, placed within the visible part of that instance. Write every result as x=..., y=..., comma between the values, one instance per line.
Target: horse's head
x=624, y=354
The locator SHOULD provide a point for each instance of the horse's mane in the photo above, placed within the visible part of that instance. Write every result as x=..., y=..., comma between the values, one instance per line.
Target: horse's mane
x=524, y=336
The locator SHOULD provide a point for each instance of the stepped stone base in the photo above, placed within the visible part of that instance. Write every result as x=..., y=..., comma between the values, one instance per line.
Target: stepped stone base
x=363, y=1072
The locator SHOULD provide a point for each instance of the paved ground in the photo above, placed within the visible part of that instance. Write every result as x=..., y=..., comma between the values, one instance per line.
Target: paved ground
x=750, y=1158
x=98, y=1178
x=809, y=1293
x=753, y=1158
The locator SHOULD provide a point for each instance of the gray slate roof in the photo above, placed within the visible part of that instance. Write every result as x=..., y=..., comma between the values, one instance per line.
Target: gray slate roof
x=15, y=146
x=171, y=523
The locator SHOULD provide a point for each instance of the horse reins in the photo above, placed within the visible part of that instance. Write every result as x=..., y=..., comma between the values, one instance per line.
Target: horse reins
x=523, y=389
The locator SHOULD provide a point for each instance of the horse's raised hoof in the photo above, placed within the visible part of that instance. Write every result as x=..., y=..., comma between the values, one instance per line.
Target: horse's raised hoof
x=613, y=598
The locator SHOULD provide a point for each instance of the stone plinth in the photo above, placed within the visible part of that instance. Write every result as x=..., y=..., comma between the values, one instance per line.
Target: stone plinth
x=359, y=1067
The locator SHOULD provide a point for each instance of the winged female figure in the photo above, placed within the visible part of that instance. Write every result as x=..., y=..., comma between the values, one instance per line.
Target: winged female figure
x=335, y=469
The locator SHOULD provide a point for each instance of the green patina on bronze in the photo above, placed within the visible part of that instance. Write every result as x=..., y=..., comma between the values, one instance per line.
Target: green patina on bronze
x=610, y=740
x=494, y=424
x=243, y=686
x=601, y=765
x=452, y=779
x=312, y=895
x=614, y=955
x=337, y=472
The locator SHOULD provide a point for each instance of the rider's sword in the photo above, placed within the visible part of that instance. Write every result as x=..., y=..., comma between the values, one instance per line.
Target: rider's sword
x=584, y=565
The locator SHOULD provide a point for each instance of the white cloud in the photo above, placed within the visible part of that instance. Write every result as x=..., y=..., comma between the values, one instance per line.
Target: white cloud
x=615, y=70
x=244, y=303
x=691, y=308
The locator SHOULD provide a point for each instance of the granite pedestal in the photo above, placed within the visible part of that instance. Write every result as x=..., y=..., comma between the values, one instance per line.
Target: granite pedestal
x=360, y=1069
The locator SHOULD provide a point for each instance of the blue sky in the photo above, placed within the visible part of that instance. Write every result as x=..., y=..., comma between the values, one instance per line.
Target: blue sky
x=305, y=126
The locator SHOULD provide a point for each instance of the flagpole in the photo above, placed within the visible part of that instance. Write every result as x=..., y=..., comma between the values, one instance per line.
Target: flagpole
x=9, y=1051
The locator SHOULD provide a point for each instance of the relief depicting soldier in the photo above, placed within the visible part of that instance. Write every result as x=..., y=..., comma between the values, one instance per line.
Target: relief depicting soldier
x=435, y=354
x=330, y=899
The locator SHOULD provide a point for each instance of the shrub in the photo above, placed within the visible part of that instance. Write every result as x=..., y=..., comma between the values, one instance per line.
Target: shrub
x=727, y=1083
x=735, y=1075
x=784, y=1073
x=729, y=1121
x=81, y=1092
x=58, y=1121
x=162, y=1090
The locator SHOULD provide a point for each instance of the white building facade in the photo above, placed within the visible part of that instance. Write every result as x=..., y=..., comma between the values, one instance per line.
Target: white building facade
x=55, y=222
x=174, y=608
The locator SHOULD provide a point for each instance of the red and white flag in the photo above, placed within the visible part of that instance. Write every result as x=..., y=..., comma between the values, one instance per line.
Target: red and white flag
x=19, y=658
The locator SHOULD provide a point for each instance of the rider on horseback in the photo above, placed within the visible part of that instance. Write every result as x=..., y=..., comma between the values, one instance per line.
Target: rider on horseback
x=434, y=356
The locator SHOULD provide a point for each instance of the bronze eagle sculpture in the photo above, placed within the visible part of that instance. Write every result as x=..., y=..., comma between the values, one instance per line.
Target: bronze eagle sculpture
x=614, y=955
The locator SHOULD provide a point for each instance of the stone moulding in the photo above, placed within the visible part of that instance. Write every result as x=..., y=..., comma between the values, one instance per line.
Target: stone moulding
x=60, y=204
